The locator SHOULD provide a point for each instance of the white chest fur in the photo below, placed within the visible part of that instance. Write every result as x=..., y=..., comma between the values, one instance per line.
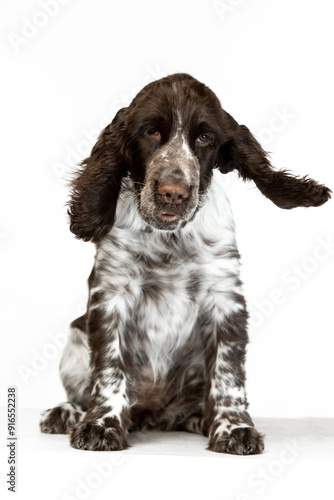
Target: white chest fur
x=162, y=281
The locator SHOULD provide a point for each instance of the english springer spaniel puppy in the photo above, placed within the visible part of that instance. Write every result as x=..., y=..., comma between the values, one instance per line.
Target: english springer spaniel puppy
x=162, y=344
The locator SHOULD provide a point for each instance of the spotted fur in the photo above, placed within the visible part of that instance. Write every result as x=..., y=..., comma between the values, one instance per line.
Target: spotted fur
x=162, y=344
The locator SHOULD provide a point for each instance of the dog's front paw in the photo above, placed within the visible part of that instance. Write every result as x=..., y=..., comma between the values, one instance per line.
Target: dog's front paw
x=240, y=441
x=92, y=436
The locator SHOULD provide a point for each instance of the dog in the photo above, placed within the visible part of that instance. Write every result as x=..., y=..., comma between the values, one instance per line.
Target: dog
x=162, y=344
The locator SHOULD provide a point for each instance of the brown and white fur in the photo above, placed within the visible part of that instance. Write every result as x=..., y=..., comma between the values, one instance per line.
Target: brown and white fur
x=162, y=344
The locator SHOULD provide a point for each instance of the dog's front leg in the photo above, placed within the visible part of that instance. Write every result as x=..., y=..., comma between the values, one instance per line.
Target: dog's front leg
x=105, y=424
x=226, y=421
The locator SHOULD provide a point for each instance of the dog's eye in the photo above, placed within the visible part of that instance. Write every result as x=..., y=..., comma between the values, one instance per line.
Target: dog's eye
x=155, y=134
x=203, y=139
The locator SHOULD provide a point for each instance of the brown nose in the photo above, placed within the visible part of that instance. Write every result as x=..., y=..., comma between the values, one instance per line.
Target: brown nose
x=173, y=194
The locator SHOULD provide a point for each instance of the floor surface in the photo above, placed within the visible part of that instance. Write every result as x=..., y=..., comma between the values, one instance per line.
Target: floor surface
x=298, y=463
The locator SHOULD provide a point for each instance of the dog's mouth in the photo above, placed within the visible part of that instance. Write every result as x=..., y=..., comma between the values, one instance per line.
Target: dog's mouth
x=168, y=217
x=166, y=220
x=163, y=220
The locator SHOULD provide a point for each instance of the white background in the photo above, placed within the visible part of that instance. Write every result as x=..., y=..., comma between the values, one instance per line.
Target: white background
x=64, y=75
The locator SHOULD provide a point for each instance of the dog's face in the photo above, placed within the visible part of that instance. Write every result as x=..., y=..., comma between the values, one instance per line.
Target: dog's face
x=169, y=196
x=175, y=139
x=169, y=140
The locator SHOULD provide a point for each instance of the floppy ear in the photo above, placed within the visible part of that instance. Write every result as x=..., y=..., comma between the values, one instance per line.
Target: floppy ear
x=243, y=153
x=96, y=188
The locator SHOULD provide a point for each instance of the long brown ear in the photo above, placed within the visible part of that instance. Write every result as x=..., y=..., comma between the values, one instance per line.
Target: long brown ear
x=243, y=153
x=96, y=187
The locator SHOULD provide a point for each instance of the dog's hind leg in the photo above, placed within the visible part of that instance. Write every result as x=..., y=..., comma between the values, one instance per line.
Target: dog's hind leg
x=59, y=419
x=75, y=375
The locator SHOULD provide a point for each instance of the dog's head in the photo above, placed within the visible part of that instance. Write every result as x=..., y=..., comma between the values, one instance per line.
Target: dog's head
x=168, y=141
